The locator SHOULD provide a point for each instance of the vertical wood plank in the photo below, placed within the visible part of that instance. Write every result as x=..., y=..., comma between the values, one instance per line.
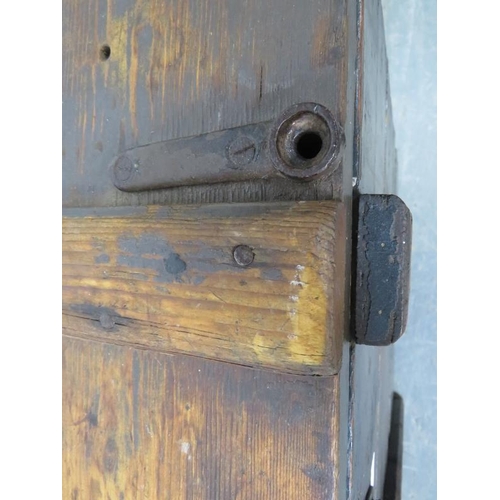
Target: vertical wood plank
x=140, y=424
x=182, y=68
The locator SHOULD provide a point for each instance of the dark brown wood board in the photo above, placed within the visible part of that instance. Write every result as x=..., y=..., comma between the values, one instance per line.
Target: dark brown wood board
x=375, y=171
x=182, y=68
x=197, y=411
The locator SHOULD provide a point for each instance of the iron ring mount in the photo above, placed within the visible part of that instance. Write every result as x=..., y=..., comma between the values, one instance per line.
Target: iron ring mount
x=303, y=144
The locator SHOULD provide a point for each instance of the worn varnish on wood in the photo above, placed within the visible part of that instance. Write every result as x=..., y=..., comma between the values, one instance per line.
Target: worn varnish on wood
x=203, y=428
x=140, y=424
x=145, y=414
x=164, y=278
x=180, y=68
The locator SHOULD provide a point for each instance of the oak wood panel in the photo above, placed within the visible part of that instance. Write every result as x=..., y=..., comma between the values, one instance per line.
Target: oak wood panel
x=166, y=280
x=140, y=424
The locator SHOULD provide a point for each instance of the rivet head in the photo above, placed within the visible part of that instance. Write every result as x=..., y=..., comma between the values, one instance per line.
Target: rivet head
x=243, y=255
x=123, y=169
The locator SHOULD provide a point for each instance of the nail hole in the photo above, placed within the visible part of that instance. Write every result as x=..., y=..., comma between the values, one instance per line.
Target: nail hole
x=308, y=145
x=104, y=52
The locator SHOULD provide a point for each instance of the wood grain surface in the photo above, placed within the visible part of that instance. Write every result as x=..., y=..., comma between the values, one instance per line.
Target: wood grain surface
x=166, y=280
x=371, y=379
x=139, y=424
x=375, y=160
x=182, y=68
x=146, y=414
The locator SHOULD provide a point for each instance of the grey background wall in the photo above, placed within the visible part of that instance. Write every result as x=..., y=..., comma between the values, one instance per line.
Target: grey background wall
x=411, y=48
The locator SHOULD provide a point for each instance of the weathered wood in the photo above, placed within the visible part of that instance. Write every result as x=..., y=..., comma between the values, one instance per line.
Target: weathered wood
x=182, y=68
x=140, y=424
x=375, y=160
x=166, y=280
x=371, y=378
x=178, y=69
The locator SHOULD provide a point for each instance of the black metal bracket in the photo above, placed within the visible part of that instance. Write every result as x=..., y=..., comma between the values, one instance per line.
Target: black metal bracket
x=304, y=143
x=381, y=269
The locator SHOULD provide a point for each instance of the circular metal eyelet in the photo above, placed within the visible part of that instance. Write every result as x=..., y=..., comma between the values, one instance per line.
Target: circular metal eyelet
x=305, y=141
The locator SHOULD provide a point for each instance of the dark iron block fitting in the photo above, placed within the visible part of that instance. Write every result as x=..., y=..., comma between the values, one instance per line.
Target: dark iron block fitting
x=382, y=269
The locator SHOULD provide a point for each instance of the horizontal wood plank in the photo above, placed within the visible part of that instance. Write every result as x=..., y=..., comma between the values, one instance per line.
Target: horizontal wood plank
x=164, y=278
